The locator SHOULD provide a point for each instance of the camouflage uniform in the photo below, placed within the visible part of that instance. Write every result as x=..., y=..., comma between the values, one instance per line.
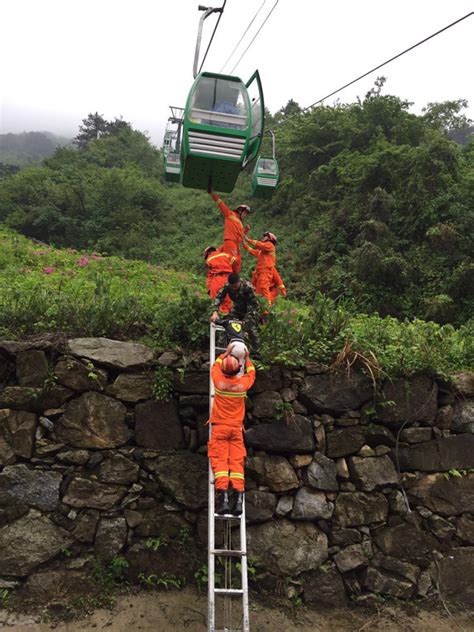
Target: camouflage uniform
x=245, y=307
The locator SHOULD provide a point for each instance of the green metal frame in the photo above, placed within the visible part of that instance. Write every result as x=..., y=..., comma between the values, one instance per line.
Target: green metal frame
x=197, y=167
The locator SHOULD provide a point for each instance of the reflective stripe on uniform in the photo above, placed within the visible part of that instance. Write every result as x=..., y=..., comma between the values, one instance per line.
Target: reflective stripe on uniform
x=236, y=219
x=230, y=393
x=219, y=360
x=221, y=254
x=250, y=368
x=221, y=474
x=236, y=475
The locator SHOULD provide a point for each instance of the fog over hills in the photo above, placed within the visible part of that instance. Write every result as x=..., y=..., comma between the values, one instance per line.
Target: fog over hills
x=29, y=147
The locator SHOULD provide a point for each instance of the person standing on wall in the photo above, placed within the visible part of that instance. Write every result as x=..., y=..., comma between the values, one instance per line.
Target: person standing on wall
x=276, y=285
x=233, y=228
x=219, y=266
x=226, y=448
x=266, y=260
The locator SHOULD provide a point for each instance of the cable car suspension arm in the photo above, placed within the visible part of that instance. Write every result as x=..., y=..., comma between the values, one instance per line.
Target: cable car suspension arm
x=207, y=12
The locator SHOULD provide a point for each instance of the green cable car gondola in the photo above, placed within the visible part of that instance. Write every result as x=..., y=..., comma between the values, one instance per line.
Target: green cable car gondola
x=172, y=145
x=223, y=129
x=265, y=175
x=265, y=178
x=222, y=125
x=173, y=167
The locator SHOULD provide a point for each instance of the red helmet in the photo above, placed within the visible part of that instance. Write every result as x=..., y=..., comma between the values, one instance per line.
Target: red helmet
x=207, y=251
x=242, y=207
x=271, y=237
x=230, y=365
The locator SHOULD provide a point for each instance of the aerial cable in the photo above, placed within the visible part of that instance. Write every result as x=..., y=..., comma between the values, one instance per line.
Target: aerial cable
x=255, y=36
x=221, y=11
x=376, y=68
x=244, y=34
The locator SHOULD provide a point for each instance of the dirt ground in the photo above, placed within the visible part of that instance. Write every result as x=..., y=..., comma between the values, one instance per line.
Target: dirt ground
x=185, y=611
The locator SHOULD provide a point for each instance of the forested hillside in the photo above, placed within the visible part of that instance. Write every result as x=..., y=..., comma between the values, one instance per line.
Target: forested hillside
x=374, y=207
x=28, y=147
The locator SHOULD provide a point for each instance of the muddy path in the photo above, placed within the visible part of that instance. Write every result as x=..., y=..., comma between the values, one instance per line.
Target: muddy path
x=185, y=611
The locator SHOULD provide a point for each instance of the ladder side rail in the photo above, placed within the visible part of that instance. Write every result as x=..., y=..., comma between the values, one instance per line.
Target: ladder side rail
x=211, y=599
x=244, y=573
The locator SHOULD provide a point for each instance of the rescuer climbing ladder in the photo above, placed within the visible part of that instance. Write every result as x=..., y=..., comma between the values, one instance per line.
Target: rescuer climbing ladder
x=226, y=556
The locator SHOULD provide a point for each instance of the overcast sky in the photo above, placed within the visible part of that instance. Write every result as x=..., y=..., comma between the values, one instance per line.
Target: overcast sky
x=61, y=59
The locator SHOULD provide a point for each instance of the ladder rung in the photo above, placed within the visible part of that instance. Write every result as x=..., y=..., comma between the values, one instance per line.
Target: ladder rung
x=228, y=552
x=227, y=516
x=229, y=591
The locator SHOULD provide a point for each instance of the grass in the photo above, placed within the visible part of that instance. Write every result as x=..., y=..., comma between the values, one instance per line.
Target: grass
x=45, y=289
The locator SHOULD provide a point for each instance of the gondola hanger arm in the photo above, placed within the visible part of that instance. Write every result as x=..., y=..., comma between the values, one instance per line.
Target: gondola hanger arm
x=207, y=12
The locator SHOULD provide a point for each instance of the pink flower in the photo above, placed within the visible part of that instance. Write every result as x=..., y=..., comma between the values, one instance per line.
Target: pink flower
x=290, y=322
x=82, y=262
x=48, y=270
x=95, y=256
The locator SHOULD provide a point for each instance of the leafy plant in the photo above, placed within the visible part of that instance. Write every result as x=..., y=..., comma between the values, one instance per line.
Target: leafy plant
x=4, y=597
x=166, y=580
x=156, y=543
x=162, y=383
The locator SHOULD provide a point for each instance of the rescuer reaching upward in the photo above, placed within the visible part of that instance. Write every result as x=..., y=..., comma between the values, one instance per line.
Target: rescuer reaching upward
x=233, y=228
x=276, y=285
x=266, y=260
x=226, y=448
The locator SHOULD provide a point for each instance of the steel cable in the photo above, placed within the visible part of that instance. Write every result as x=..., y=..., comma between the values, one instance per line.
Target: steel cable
x=376, y=68
x=254, y=37
x=244, y=34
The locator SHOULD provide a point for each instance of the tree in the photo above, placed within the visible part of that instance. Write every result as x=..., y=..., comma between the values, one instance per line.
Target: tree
x=446, y=116
x=92, y=127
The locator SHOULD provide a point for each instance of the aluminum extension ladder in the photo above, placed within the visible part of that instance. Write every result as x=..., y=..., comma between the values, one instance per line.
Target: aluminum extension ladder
x=227, y=555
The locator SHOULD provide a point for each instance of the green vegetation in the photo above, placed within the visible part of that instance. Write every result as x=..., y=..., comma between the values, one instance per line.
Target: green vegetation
x=374, y=216
x=165, y=580
x=162, y=383
x=48, y=289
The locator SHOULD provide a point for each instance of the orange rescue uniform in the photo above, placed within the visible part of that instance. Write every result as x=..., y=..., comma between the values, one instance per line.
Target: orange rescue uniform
x=233, y=232
x=226, y=448
x=266, y=259
x=219, y=266
x=277, y=285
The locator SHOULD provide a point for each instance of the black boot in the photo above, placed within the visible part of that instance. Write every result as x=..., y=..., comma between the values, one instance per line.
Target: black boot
x=237, y=504
x=222, y=502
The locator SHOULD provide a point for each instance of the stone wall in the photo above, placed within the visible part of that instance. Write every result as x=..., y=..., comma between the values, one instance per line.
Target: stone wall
x=346, y=496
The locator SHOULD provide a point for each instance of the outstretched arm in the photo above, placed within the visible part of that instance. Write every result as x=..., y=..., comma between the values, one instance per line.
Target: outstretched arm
x=222, y=206
x=252, y=251
x=220, y=296
x=264, y=246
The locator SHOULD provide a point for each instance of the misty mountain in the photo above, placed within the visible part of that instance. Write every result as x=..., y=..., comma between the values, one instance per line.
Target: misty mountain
x=29, y=147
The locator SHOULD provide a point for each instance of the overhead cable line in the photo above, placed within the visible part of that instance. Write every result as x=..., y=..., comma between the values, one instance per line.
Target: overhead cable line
x=377, y=68
x=244, y=34
x=254, y=37
x=221, y=11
